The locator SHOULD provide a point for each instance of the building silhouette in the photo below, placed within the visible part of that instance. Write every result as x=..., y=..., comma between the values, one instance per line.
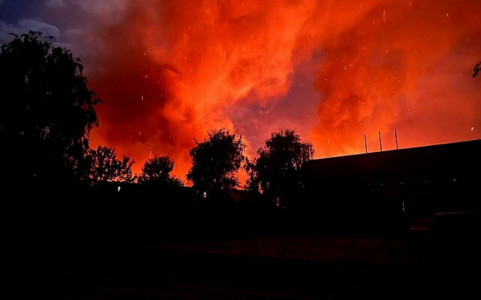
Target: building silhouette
x=415, y=182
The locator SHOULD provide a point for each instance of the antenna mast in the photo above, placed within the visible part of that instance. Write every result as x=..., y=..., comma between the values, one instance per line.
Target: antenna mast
x=380, y=141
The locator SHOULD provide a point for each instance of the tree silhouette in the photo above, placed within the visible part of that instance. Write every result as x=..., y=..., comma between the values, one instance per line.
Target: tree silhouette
x=156, y=171
x=276, y=171
x=476, y=70
x=215, y=162
x=105, y=167
x=47, y=109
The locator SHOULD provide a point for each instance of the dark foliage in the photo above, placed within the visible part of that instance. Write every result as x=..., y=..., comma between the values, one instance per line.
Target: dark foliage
x=156, y=171
x=104, y=166
x=276, y=171
x=47, y=110
x=215, y=162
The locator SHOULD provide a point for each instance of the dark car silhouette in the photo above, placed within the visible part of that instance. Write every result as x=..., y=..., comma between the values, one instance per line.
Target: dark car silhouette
x=456, y=236
x=455, y=226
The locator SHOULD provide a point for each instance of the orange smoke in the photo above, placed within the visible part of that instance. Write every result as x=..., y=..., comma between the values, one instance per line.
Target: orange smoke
x=404, y=65
x=191, y=62
x=169, y=71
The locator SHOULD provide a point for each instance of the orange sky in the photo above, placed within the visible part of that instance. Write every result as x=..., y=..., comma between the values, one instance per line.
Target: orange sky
x=169, y=71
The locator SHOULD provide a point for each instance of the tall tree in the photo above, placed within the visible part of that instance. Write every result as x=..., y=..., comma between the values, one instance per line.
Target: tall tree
x=47, y=109
x=276, y=171
x=215, y=162
x=106, y=167
x=156, y=171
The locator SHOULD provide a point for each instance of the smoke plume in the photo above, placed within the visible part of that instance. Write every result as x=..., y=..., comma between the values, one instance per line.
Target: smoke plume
x=169, y=71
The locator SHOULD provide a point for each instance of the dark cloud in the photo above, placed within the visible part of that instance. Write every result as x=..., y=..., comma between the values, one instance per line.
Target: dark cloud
x=25, y=25
x=55, y=3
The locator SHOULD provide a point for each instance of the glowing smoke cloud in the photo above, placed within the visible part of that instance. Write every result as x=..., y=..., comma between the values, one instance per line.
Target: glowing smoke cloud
x=169, y=71
x=405, y=64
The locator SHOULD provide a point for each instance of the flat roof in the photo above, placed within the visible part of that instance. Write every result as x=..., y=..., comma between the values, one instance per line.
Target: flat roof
x=450, y=156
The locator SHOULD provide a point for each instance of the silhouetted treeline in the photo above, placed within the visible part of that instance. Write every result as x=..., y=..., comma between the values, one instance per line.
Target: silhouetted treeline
x=48, y=114
x=61, y=188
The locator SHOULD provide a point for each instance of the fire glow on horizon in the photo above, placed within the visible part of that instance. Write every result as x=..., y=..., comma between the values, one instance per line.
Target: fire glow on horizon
x=169, y=71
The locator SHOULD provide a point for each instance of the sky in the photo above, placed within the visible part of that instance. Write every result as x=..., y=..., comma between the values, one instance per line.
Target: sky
x=170, y=71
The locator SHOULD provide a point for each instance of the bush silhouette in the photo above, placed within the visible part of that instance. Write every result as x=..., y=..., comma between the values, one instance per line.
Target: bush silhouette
x=104, y=166
x=156, y=171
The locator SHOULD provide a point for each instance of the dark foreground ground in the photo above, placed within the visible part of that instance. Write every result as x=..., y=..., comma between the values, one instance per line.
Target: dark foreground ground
x=143, y=252
x=214, y=271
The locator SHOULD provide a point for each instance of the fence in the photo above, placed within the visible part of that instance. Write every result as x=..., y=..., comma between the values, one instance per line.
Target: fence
x=346, y=249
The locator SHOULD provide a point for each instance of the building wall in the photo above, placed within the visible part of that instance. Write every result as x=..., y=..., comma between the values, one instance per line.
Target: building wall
x=420, y=180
